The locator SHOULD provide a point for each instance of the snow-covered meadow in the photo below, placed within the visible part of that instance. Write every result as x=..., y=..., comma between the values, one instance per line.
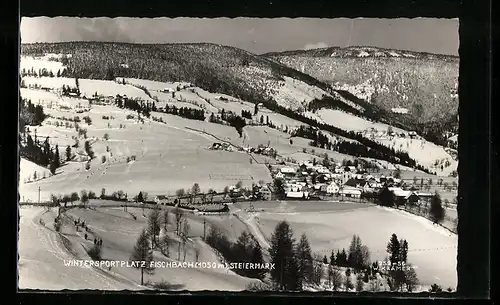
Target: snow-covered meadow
x=331, y=225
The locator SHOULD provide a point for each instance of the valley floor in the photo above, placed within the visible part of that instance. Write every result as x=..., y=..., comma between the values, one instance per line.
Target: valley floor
x=328, y=225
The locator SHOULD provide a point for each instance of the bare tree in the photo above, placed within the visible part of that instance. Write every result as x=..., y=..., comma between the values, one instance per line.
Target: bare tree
x=317, y=273
x=195, y=190
x=196, y=253
x=375, y=285
x=179, y=214
x=239, y=184
x=84, y=197
x=164, y=245
x=165, y=220
x=180, y=192
x=185, y=234
x=411, y=279
x=153, y=229
x=335, y=277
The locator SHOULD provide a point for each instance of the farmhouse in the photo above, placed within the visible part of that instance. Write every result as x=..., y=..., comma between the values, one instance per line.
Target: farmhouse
x=331, y=188
x=322, y=170
x=425, y=197
x=287, y=170
x=399, y=110
x=265, y=192
x=297, y=195
x=350, y=192
x=161, y=199
x=413, y=199
x=279, y=175
x=371, y=187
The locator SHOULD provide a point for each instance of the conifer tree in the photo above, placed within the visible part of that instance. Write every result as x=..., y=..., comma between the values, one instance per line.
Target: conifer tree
x=143, y=253
x=304, y=259
x=285, y=273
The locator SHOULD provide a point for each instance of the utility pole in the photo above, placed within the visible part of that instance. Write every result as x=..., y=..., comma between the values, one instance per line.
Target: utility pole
x=204, y=226
x=38, y=195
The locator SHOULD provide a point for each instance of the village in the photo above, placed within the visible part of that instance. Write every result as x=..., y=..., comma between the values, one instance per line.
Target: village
x=307, y=181
x=311, y=181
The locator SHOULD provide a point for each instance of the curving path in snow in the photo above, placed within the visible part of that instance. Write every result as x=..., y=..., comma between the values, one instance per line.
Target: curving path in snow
x=41, y=261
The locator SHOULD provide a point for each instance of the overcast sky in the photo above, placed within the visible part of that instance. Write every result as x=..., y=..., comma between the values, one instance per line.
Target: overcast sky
x=253, y=34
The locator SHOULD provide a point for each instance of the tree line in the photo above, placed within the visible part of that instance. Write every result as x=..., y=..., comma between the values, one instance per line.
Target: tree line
x=42, y=72
x=231, y=118
x=246, y=250
x=296, y=267
x=385, y=153
x=436, y=212
x=318, y=139
x=30, y=114
x=145, y=108
x=151, y=239
x=42, y=154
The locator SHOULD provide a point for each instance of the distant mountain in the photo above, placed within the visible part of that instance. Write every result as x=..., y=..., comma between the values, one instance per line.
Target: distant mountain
x=423, y=84
x=212, y=67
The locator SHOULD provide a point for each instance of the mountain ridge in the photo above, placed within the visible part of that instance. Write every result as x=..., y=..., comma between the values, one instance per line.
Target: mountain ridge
x=326, y=51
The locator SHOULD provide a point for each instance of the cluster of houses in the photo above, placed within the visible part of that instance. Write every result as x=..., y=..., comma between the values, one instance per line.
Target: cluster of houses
x=222, y=146
x=316, y=181
x=261, y=149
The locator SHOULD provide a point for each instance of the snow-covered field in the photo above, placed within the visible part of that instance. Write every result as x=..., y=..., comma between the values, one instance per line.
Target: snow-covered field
x=349, y=122
x=30, y=170
x=154, y=85
x=37, y=63
x=55, y=83
x=89, y=87
x=330, y=226
x=168, y=157
x=42, y=254
x=51, y=99
x=294, y=93
x=424, y=152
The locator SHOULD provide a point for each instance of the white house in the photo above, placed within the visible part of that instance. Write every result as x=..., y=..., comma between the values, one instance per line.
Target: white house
x=400, y=193
x=323, y=170
x=280, y=175
x=287, y=170
x=399, y=110
x=331, y=188
x=297, y=195
x=352, y=192
x=294, y=187
x=266, y=192
x=161, y=199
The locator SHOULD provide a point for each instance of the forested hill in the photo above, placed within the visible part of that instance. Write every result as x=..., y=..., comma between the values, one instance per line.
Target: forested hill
x=212, y=67
x=425, y=84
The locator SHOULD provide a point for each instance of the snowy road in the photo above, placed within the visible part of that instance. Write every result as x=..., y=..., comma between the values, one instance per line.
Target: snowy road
x=41, y=262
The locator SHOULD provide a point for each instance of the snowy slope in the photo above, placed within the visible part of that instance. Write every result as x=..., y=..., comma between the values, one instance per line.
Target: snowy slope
x=295, y=93
x=37, y=63
x=42, y=254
